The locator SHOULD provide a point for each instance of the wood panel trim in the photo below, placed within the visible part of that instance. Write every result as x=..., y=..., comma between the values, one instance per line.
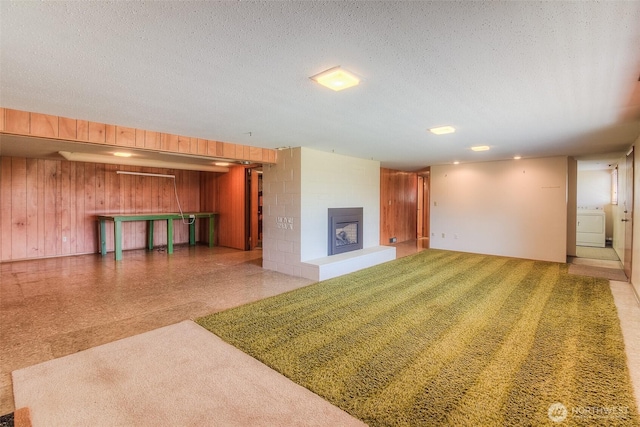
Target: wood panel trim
x=97, y=132
x=44, y=125
x=2, y=127
x=25, y=123
x=82, y=130
x=67, y=129
x=17, y=121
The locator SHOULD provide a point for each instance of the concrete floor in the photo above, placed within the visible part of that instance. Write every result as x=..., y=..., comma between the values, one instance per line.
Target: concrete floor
x=55, y=307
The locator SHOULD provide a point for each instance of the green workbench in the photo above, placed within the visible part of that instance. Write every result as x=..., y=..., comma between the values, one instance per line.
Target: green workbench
x=118, y=219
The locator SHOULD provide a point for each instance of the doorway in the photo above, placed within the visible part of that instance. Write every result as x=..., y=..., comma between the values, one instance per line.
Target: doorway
x=422, y=205
x=628, y=214
x=598, y=225
x=254, y=211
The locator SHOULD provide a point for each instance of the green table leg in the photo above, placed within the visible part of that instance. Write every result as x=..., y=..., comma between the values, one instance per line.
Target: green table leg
x=150, y=229
x=117, y=238
x=103, y=237
x=170, y=236
x=192, y=231
x=211, y=223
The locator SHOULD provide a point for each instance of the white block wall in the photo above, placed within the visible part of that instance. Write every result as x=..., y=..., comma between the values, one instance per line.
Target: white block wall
x=281, y=220
x=334, y=181
x=297, y=193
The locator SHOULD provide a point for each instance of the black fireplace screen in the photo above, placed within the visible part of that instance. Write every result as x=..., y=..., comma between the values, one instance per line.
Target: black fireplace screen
x=345, y=230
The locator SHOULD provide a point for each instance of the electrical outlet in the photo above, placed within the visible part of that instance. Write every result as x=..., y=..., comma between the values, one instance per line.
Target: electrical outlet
x=393, y=240
x=64, y=239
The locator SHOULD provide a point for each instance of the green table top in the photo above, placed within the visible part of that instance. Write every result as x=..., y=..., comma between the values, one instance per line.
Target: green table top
x=154, y=216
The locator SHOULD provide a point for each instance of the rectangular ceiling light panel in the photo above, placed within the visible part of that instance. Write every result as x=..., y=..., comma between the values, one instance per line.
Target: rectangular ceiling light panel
x=442, y=130
x=481, y=148
x=336, y=78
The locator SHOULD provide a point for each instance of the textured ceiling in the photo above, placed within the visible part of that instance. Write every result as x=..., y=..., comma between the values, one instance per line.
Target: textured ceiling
x=528, y=78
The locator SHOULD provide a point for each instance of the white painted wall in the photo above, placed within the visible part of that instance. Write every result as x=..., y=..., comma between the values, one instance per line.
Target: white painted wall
x=635, y=254
x=572, y=206
x=334, y=181
x=594, y=192
x=513, y=208
x=297, y=193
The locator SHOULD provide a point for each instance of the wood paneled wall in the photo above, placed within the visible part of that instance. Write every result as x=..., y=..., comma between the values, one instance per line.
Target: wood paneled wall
x=49, y=207
x=232, y=208
x=26, y=123
x=398, y=205
x=209, y=202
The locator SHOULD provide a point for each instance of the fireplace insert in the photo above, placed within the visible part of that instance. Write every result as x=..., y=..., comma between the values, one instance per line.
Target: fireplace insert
x=345, y=230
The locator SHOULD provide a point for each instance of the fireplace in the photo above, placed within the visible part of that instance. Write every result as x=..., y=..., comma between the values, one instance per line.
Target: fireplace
x=345, y=230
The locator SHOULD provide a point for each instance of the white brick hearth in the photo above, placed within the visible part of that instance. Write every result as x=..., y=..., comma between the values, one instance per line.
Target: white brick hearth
x=348, y=262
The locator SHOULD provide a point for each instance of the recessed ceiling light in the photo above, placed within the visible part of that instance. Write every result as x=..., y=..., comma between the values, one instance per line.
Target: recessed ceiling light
x=517, y=157
x=221, y=163
x=336, y=78
x=121, y=154
x=442, y=130
x=456, y=162
x=481, y=148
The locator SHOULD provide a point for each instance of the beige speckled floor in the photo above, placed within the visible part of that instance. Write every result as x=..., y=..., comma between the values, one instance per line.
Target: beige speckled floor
x=56, y=307
x=629, y=313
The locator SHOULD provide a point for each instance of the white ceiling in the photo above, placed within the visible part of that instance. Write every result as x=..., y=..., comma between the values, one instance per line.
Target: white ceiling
x=529, y=78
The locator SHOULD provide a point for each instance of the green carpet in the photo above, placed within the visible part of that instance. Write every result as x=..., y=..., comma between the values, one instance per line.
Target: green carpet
x=447, y=338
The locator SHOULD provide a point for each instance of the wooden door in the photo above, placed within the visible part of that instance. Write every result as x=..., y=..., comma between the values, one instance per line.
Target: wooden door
x=254, y=207
x=420, y=228
x=426, y=204
x=628, y=216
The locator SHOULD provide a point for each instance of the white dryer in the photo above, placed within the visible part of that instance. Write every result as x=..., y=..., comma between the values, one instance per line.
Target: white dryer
x=591, y=228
